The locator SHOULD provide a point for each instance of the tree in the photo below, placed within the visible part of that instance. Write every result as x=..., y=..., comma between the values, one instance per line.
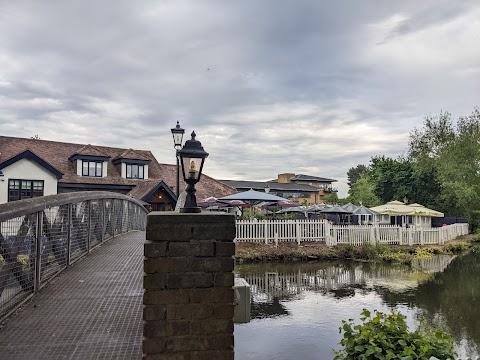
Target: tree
x=450, y=152
x=363, y=192
x=355, y=173
x=393, y=179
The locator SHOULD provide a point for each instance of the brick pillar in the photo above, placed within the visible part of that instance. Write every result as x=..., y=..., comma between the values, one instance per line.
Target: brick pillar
x=188, y=280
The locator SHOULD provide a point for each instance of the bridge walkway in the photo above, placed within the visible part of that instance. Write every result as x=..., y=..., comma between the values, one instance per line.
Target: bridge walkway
x=92, y=310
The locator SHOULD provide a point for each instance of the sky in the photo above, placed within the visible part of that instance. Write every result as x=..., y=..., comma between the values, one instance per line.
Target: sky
x=308, y=86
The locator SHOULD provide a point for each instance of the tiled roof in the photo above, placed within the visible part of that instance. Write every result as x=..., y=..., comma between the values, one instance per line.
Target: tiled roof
x=133, y=155
x=144, y=188
x=58, y=153
x=260, y=185
x=90, y=150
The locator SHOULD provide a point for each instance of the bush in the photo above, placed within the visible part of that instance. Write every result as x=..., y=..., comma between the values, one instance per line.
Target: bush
x=386, y=336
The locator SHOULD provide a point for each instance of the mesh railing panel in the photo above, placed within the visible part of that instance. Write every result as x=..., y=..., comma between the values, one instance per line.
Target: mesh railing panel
x=17, y=260
x=53, y=248
x=108, y=218
x=79, y=230
x=96, y=222
x=117, y=218
x=25, y=264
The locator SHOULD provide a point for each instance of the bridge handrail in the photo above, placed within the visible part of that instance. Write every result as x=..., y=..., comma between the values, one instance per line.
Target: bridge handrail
x=22, y=207
x=43, y=236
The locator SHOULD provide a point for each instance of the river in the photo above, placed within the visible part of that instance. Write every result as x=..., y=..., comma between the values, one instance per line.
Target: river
x=297, y=308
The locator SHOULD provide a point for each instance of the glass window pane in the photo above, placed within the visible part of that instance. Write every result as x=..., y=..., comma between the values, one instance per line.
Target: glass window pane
x=91, y=168
x=140, y=171
x=85, y=168
x=135, y=171
x=129, y=171
x=99, y=169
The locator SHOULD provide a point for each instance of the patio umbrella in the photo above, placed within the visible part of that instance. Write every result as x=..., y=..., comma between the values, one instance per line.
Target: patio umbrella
x=364, y=211
x=297, y=209
x=421, y=210
x=210, y=201
x=316, y=208
x=394, y=208
x=349, y=207
x=334, y=210
x=252, y=197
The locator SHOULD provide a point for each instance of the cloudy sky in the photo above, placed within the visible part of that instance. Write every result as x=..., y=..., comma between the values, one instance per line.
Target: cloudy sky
x=312, y=87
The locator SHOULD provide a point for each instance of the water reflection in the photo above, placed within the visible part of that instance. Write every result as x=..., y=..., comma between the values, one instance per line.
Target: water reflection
x=311, y=300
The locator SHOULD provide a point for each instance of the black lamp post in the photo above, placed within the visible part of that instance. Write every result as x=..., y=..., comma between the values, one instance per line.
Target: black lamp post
x=192, y=157
x=177, y=133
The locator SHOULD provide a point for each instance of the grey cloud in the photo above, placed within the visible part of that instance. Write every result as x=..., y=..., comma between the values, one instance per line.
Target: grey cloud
x=268, y=86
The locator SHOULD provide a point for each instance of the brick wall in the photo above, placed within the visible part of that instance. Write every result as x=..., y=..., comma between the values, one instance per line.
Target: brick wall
x=188, y=279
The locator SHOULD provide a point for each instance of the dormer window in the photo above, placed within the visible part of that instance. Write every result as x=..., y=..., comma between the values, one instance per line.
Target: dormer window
x=135, y=171
x=92, y=168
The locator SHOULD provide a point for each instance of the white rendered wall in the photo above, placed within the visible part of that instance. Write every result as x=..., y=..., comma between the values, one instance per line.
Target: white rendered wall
x=27, y=170
x=145, y=171
x=124, y=170
x=79, y=167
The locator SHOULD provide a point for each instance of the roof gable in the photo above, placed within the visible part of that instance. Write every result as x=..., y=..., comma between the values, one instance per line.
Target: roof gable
x=90, y=150
x=27, y=154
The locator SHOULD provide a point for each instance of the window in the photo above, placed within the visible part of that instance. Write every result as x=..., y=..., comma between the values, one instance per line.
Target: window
x=134, y=171
x=24, y=189
x=92, y=168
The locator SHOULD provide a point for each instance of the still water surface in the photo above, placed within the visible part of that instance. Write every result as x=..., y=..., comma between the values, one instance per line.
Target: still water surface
x=298, y=308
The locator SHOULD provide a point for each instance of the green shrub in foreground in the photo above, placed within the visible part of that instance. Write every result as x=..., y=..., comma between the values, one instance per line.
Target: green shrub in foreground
x=386, y=336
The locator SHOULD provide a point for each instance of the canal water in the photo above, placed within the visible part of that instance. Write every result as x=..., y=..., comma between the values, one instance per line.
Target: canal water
x=298, y=308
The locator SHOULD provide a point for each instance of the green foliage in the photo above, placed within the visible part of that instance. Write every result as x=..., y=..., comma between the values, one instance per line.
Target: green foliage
x=356, y=173
x=423, y=253
x=386, y=336
x=363, y=192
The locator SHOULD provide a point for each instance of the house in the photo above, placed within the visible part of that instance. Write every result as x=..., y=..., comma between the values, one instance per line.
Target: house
x=300, y=188
x=31, y=168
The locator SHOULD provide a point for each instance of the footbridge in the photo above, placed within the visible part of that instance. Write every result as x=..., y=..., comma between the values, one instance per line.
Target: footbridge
x=92, y=305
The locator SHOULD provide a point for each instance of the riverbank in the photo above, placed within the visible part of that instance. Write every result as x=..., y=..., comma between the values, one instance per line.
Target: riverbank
x=290, y=252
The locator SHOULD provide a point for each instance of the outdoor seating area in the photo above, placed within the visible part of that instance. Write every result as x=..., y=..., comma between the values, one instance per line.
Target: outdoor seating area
x=257, y=205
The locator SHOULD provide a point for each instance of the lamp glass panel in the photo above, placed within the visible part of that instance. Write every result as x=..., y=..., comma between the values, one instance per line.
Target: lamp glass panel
x=191, y=167
x=177, y=139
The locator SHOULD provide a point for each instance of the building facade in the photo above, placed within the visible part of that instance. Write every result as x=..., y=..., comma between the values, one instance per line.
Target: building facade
x=31, y=168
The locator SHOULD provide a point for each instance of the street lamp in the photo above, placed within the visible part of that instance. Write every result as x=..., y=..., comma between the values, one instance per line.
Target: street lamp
x=177, y=133
x=192, y=157
x=267, y=189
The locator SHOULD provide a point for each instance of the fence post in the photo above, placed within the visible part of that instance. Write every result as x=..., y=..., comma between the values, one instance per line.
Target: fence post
x=38, y=252
x=372, y=235
x=400, y=235
x=265, y=232
x=326, y=229
x=69, y=233
x=297, y=228
x=422, y=239
x=410, y=236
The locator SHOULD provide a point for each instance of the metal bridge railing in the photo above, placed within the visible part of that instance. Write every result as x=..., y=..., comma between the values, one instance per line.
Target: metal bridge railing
x=41, y=237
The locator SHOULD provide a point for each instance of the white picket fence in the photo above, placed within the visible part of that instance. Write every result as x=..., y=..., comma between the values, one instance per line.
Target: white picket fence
x=273, y=231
